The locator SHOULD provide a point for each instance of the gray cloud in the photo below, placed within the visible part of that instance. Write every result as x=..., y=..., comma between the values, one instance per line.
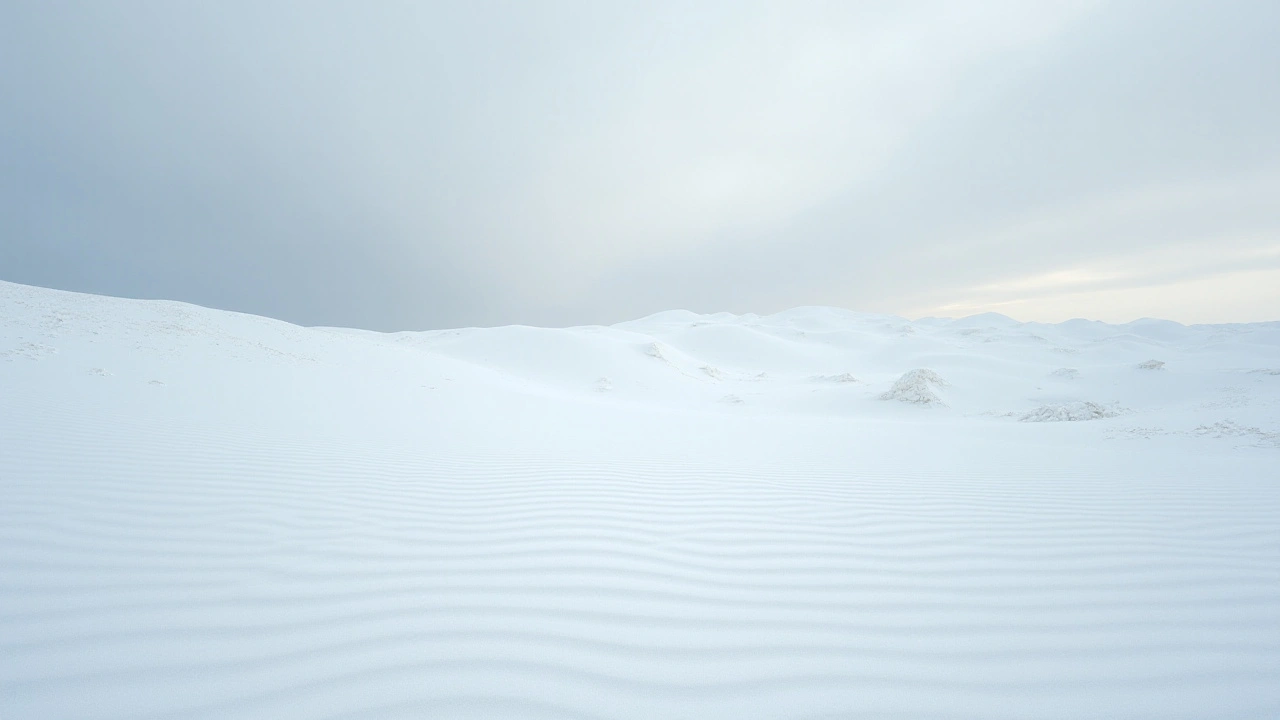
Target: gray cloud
x=414, y=165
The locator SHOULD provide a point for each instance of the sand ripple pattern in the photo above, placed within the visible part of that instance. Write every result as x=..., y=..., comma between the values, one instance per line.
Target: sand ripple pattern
x=236, y=577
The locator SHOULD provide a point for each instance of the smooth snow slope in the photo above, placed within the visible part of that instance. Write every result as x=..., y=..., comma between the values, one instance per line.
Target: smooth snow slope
x=213, y=515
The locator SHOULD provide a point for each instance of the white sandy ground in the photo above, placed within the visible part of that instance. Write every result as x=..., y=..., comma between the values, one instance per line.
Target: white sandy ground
x=214, y=515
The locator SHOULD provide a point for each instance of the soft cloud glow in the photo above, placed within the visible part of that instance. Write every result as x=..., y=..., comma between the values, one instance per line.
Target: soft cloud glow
x=434, y=164
x=1242, y=296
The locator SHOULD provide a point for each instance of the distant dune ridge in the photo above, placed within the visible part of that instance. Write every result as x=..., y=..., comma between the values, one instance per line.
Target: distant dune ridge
x=816, y=513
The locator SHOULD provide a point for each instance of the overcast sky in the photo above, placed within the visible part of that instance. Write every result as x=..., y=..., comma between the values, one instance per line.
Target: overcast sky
x=422, y=165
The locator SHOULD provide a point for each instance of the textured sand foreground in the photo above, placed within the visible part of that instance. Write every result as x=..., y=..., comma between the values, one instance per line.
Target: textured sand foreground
x=211, y=515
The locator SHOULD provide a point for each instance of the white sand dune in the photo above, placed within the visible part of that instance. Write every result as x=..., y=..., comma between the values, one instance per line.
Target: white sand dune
x=242, y=518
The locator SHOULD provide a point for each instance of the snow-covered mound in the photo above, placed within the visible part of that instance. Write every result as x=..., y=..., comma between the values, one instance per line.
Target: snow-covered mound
x=916, y=387
x=207, y=514
x=1070, y=412
x=1231, y=429
x=838, y=378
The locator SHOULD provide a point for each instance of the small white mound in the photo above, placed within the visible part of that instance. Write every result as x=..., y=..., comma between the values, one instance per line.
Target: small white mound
x=1070, y=412
x=655, y=350
x=916, y=387
x=31, y=351
x=713, y=372
x=1151, y=365
x=731, y=400
x=603, y=384
x=1232, y=429
x=841, y=378
x=1066, y=373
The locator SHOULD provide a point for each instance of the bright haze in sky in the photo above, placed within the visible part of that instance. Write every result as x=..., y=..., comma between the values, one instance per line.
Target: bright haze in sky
x=422, y=165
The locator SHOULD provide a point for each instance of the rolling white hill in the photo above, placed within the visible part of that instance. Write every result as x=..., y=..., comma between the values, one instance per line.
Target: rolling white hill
x=817, y=513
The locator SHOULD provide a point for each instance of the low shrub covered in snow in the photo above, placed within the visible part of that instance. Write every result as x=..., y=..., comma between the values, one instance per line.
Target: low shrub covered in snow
x=1070, y=412
x=841, y=378
x=916, y=387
